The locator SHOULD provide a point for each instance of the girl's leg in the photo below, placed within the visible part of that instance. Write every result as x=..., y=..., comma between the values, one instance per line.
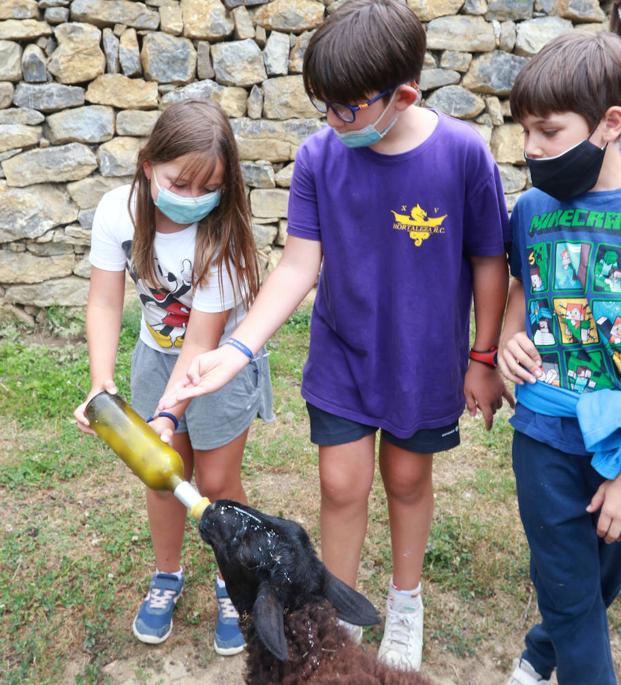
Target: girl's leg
x=218, y=471
x=409, y=492
x=346, y=477
x=167, y=515
x=218, y=476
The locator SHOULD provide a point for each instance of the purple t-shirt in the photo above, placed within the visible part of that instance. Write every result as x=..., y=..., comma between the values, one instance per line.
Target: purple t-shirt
x=389, y=330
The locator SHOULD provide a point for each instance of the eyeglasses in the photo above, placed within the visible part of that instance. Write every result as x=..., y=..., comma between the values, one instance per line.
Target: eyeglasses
x=347, y=113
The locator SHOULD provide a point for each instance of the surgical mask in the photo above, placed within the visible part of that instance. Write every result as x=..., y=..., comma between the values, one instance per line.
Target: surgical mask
x=185, y=210
x=369, y=135
x=569, y=174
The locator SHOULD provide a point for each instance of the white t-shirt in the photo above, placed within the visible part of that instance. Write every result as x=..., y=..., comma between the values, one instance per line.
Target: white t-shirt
x=165, y=311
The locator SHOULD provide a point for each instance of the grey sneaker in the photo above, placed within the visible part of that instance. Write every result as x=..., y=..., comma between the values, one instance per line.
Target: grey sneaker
x=525, y=674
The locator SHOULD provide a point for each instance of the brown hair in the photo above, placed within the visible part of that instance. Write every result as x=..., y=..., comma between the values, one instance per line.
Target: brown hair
x=576, y=72
x=202, y=131
x=363, y=47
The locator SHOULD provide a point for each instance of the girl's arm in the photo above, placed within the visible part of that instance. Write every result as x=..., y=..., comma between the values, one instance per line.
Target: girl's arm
x=283, y=291
x=483, y=387
x=518, y=358
x=104, y=313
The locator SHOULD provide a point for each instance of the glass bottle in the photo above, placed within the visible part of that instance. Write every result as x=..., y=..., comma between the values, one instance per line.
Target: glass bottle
x=155, y=462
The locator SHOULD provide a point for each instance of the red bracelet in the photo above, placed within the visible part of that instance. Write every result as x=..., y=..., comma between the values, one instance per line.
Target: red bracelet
x=487, y=357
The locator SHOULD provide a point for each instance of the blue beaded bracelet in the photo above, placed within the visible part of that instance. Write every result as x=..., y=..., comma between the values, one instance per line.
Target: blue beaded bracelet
x=166, y=415
x=238, y=345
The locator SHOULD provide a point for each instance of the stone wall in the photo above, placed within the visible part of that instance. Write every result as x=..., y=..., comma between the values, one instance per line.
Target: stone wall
x=83, y=81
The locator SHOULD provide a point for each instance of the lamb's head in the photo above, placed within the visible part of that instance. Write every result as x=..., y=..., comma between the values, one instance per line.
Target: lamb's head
x=269, y=566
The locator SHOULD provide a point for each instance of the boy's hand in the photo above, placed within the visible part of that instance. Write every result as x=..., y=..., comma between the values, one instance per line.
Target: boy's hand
x=79, y=414
x=207, y=373
x=608, y=499
x=484, y=389
x=519, y=360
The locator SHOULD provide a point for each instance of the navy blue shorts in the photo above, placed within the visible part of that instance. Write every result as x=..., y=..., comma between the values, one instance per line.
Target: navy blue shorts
x=329, y=429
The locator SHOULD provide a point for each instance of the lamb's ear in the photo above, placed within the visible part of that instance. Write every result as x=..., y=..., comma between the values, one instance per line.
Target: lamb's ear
x=267, y=615
x=350, y=605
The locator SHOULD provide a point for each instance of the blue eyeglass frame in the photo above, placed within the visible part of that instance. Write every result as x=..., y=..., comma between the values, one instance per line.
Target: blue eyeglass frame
x=352, y=108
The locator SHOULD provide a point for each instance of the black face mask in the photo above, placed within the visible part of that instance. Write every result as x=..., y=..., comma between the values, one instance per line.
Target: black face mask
x=569, y=174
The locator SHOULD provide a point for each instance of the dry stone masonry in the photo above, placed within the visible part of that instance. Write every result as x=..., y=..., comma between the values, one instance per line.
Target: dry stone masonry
x=82, y=83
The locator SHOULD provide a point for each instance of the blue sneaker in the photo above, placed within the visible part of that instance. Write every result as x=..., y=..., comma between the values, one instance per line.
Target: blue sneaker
x=153, y=622
x=228, y=639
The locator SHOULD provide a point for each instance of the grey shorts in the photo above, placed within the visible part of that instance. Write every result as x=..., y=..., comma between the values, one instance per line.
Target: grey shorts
x=210, y=420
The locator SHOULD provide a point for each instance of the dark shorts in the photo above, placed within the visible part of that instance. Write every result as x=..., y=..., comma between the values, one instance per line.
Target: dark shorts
x=329, y=429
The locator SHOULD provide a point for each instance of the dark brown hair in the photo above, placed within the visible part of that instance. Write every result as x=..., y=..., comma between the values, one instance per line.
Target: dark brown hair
x=365, y=46
x=200, y=130
x=576, y=72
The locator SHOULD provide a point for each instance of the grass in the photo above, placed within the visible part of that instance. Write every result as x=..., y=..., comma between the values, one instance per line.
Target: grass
x=75, y=551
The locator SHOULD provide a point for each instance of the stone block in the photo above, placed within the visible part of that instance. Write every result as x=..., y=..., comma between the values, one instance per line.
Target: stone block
x=259, y=174
x=238, y=63
x=50, y=165
x=171, y=19
x=290, y=16
x=231, y=99
x=274, y=141
x=130, y=122
x=13, y=136
x=10, y=61
x=168, y=59
x=284, y=176
x=204, y=67
x=206, y=20
x=243, y=24
x=493, y=73
x=276, y=54
x=284, y=97
x=69, y=292
x=48, y=97
x=436, y=78
x=580, y=11
x=508, y=144
x=34, y=64
x=78, y=57
x=111, y=50
x=29, y=268
x=24, y=29
x=509, y=9
x=19, y=9
x=6, y=94
x=426, y=10
x=87, y=192
x=21, y=115
x=457, y=101
x=296, y=55
x=461, y=33
x=118, y=156
x=533, y=34
x=255, y=103
x=458, y=61
x=129, y=53
x=31, y=212
x=269, y=203
x=513, y=178
x=110, y=12
x=122, y=92
x=90, y=124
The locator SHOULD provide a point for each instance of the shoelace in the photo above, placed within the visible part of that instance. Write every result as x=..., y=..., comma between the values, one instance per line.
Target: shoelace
x=399, y=629
x=159, y=599
x=226, y=608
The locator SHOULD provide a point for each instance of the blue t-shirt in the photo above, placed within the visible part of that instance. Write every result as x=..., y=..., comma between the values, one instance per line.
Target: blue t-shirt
x=389, y=331
x=568, y=257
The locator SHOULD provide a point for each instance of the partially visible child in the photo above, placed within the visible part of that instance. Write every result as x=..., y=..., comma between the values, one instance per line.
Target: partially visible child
x=567, y=442
x=402, y=209
x=182, y=230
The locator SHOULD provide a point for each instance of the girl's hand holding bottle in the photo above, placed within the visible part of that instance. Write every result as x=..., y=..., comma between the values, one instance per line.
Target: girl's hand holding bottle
x=80, y=416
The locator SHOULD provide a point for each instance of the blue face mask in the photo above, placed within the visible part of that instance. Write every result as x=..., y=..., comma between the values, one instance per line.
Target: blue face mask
x=369, y=135
x=185, y=210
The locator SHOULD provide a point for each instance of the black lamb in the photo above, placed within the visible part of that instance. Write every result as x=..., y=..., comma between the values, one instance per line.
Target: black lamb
x=289, y=603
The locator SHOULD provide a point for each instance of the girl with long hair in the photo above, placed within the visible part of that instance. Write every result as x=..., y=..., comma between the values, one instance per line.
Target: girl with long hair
x=182, y=230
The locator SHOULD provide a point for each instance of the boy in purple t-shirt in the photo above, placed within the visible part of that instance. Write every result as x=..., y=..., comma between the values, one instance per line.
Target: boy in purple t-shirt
x=402, y=210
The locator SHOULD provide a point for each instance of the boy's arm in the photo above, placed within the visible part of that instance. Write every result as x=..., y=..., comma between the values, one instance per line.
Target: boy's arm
x=518, y=358
x=278, y=298
x=483, y=386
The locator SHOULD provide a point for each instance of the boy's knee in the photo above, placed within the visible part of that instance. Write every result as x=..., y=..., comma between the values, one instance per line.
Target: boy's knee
x=341, y=491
